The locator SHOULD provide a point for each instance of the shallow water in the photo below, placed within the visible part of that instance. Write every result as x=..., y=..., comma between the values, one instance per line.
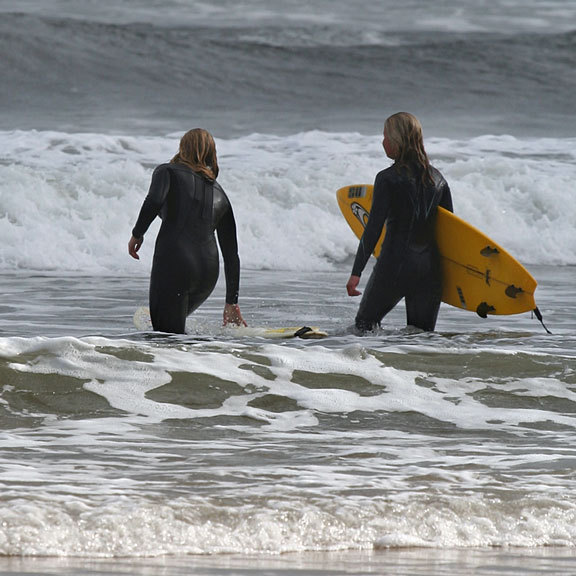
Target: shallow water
x=410, y=562
x=224, y=452
x=458, y=444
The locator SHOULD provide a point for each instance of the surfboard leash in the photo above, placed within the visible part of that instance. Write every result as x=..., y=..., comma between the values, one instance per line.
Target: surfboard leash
x=539, y=316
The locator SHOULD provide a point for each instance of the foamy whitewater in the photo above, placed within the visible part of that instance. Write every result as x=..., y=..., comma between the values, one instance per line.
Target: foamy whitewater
x=226, y=451
x=69, y=201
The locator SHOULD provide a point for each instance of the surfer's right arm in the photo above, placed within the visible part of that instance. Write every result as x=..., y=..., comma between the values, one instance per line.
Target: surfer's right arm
x=375, y=224
x=134, y=245
x=352, y=286
x=159, y=187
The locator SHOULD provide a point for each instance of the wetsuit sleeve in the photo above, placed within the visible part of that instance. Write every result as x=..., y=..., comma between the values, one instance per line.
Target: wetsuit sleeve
x=446, y=197
x=376, y=220
x=153, y=202
x=228, y=241
x=442, y=190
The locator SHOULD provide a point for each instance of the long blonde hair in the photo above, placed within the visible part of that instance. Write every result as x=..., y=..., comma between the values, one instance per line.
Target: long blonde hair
x=198, y=151
x=405, y=132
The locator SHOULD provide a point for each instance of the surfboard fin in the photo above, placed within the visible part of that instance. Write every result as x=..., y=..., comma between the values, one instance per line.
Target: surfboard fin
x=302, y=331
x=484, y=309
x=308, y=333
x=489, y=251
x=513, y=291
x=539, y=316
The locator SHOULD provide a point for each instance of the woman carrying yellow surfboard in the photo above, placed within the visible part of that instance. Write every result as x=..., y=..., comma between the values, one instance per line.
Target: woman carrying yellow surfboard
x=406, y=199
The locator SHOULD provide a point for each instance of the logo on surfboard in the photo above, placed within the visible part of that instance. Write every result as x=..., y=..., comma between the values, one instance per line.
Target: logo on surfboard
x=360, y=213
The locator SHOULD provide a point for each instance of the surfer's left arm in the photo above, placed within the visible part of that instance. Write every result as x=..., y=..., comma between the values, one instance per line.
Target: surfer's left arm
x=227, y=238
x=443, y=193
x=232, y=315
x=446, y=197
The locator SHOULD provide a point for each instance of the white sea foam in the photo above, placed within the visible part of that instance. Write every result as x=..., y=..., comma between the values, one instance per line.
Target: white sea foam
x=125, y=384
x=135, y=528
x=69, y=201
x=111, y=485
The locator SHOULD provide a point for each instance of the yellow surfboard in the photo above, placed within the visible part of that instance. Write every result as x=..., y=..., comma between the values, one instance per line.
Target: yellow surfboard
x=143, y=323
x=304, y=332
x=478, y=274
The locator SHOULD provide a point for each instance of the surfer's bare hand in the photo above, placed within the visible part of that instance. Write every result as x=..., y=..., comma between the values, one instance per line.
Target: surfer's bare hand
x=232, y=315
x=134, y=245
x=352, y=286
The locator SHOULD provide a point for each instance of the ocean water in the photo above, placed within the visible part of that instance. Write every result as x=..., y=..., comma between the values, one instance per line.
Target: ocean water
x=226, y=452
x=267, y=66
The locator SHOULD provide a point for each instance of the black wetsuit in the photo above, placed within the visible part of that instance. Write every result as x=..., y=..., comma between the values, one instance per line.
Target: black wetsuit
x=186, y=266
x=409, y=263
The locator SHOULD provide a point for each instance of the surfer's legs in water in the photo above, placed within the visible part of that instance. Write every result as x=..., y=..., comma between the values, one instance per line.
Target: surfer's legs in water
x=422, y=311
x=169, y=309
x=176, y=291
x=424, y=291
x=417, y=279
x=168, y=312
x=377, y=301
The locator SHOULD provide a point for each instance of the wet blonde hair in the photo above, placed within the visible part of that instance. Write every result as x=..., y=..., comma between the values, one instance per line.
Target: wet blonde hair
x=405, y=133
x=198, y=151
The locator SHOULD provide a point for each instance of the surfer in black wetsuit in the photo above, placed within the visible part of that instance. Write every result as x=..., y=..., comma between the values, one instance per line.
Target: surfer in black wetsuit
x=192, y=206
x=406, y=198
